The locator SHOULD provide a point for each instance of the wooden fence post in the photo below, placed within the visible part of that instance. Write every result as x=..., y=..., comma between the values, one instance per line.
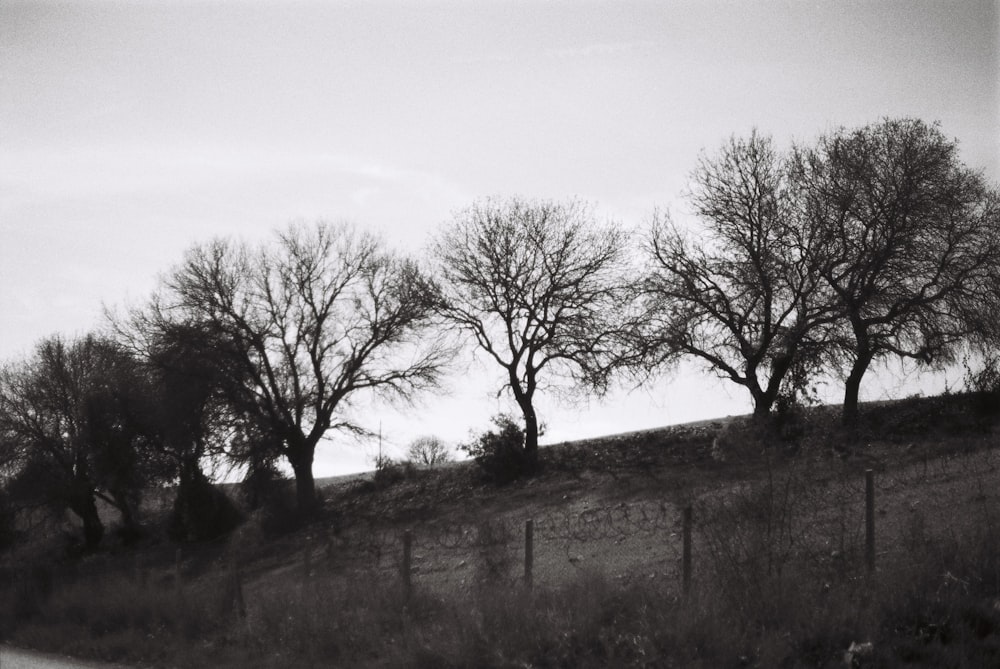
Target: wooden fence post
x=870, y=520
x=686, y=555
x=529, y=552
x=407, y=555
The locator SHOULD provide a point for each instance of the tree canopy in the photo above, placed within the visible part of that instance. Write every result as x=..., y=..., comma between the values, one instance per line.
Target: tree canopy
x=742, y=292
x=909, y=238
x=77, y=423
x=539, y=286
x=303, y=323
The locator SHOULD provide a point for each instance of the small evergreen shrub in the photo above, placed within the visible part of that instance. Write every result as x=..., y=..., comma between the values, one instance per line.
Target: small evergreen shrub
x=500, y=453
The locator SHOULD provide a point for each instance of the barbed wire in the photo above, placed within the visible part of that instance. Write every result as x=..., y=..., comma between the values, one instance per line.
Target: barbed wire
x=799, y=515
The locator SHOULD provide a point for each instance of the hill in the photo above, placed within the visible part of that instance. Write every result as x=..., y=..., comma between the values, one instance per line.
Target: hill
x=777, y=554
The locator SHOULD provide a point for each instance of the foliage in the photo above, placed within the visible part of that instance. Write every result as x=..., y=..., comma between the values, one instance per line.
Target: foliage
x=77, y=422
x=389, y=471
x=201, y=512
x=500, y=453
x=541, y=289
x=262, y=483
x=984, y=382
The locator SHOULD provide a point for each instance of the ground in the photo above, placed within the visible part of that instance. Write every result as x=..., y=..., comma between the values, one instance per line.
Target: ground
x=779, y=506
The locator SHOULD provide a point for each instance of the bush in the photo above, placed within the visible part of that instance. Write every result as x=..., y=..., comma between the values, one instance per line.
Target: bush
x=202, y=512
x=500, y=453
x=984, y=384
x=389, y=472
x=495, y=560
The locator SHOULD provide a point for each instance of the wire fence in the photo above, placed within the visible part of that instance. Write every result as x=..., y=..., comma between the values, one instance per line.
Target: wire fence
x=799, y=518
x=822, y=519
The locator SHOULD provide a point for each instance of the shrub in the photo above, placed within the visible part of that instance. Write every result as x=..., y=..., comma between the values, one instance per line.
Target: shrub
x=389, y=472
x=201, y=512
x=494, y=561
x=984, y=384
x=278, y=513
x=500, y=453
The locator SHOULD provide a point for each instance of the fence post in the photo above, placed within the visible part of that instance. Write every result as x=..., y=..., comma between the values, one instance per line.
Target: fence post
x=529, y=552
x=686, y=555
x=407, y=555
x=870, y=520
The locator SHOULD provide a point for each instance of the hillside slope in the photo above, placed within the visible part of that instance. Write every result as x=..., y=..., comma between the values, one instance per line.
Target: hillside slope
x=775, y=512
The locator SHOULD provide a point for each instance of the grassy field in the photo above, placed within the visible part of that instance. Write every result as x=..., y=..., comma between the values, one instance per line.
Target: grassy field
x=779, y=575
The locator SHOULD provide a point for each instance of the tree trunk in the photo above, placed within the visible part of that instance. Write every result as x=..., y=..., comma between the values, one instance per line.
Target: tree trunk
x=130, y=526
x=301, y=460
x=852, y=389
x=761, y=407
x=83, y=505
x=523, y=399
x=765, y=400
x=530, y=435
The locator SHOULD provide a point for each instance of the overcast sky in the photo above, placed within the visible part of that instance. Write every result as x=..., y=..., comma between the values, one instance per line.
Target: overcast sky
x=130, y=131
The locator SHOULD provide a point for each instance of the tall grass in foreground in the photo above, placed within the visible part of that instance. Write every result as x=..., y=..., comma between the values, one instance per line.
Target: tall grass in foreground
x=111, y=615
x=941, y=608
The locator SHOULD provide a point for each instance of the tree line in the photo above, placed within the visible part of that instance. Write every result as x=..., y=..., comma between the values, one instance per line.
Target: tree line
x=824, y=259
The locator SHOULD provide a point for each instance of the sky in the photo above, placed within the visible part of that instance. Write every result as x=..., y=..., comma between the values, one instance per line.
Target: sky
x=131, y=131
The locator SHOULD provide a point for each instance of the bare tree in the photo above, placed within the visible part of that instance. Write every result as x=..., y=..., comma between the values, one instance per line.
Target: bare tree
x=743, y=293
x=539, y=286
x=429, y=451
x=308, y=322
x=908, y=238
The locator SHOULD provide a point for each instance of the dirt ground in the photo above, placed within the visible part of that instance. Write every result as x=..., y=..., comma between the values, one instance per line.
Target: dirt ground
x=625, y=522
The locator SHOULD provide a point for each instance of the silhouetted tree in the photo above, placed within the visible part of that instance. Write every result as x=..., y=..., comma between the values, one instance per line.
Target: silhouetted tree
x=742, y=293
x=907, y=240
x=75, y=417
x=303, y=324
x=540, y=288
x=190, y=367
x=429, y=451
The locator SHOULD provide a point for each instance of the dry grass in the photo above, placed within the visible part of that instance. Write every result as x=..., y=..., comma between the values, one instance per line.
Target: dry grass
x=766, y=594
x=940, y=610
